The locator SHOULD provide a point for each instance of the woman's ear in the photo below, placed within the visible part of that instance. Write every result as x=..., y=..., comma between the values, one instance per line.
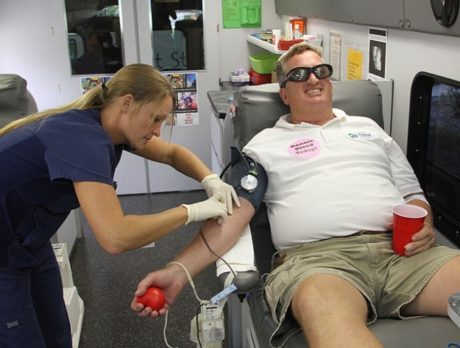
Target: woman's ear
x=284, y=95
x=127, y=101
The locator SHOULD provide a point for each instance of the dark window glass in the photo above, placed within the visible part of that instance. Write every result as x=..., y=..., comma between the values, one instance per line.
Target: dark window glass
x=94, y=36
x=178, y=35
x=444, y=129
x=433, y=150
x=442, y=168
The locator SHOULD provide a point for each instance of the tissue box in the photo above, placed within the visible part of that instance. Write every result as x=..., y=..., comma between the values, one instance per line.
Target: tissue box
x=239, y=78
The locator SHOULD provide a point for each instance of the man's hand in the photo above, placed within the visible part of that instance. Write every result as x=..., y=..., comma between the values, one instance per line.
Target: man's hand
x=168, y=280
x=422, y=240
x=212, y=184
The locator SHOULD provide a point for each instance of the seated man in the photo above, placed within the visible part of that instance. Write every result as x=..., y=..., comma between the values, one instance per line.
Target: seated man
x=332, y=182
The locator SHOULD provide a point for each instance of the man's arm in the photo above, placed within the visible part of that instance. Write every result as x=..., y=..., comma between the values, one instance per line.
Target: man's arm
x=195, y=257
x=407, y=183
x=220, y=239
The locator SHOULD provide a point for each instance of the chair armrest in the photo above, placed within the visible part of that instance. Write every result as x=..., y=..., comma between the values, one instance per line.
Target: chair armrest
x=244, y=281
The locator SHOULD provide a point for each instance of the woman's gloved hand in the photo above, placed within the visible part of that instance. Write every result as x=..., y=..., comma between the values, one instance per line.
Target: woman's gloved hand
x=213, y=207
x=212, y=184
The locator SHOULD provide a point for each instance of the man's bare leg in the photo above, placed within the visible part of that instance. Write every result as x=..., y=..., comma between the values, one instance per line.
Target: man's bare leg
x=432, y=300
x=332, y=313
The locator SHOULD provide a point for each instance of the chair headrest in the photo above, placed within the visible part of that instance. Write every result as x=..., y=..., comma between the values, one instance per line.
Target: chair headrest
x=259, y=107
x=14, y=101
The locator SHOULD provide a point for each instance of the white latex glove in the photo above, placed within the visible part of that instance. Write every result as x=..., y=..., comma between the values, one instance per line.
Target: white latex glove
x=213, y=207
x=212, y=184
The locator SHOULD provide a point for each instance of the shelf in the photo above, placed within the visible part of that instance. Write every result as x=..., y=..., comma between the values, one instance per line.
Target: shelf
x=264, y=44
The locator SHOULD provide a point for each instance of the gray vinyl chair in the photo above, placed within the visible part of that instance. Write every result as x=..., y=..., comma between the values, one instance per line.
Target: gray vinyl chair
x=250, y=321
x=15, y=100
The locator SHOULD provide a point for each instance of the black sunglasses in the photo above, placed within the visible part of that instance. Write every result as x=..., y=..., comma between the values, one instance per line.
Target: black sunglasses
x=321, y=71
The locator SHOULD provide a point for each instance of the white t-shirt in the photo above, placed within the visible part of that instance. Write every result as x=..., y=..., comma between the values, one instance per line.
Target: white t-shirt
x=331, y=180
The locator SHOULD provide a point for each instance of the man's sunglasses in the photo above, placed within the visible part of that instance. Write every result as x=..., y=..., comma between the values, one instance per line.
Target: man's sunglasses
x=321, y=71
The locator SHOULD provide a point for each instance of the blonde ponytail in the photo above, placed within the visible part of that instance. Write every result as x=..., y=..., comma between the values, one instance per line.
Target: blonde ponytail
x=143, y=81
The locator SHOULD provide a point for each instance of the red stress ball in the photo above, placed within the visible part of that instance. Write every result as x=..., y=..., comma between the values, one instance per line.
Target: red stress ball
x=153, y=298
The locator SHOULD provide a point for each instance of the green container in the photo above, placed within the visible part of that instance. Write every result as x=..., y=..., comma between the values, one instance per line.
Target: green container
x=263, y=63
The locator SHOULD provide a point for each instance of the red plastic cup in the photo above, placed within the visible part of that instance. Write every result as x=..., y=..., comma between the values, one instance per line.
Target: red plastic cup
x=407, y=220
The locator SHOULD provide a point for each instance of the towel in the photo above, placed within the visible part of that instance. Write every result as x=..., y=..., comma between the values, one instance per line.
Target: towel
x=240, y=256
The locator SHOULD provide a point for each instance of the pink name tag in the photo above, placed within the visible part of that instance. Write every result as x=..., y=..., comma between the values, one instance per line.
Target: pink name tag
x=305, y=148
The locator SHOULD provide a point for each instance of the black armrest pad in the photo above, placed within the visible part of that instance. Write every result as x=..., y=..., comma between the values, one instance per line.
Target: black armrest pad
x=262, y=241
x=244, y=281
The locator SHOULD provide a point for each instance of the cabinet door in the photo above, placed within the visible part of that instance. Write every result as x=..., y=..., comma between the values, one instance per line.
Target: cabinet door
x=388, y=13
x=131, y=174
x=196, y=138
x=420, y=17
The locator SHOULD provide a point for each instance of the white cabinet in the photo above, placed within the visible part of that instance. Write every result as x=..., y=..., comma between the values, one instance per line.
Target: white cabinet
x=70, y=230
x=73, y=302
x=130, y=174
x=217, y=133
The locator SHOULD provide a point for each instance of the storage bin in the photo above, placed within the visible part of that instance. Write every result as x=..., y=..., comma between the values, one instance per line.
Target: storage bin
x=263, y=63
x=285, y=44
x=259, y=79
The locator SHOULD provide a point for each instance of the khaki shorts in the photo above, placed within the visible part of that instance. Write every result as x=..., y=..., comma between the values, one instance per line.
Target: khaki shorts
x=367, y=261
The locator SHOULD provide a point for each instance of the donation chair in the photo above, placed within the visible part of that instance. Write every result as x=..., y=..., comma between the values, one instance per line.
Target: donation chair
x=15, y=100
x=249, y=319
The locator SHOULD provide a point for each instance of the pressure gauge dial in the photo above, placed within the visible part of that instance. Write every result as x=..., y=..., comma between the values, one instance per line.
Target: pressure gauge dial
x=249, y=182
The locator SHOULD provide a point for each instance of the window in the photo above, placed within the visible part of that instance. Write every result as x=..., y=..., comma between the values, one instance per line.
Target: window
x=93, y=30
x=433, y=150
x=178, y=35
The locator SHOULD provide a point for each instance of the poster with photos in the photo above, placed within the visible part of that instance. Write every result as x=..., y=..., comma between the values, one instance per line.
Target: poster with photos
x=186, y=106
x=86, y=83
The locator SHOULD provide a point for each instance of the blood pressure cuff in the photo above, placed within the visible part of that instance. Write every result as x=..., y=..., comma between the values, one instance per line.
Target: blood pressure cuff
x=242, y=165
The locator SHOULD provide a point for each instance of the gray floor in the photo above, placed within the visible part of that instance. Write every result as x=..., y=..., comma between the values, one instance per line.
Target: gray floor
x=106, y=283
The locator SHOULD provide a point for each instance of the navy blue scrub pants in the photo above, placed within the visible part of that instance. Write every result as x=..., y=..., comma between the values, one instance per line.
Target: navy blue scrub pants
x=32, y=308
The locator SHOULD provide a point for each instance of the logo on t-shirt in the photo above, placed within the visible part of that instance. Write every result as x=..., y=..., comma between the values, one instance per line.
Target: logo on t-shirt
x=364, y=135
x=305, y=148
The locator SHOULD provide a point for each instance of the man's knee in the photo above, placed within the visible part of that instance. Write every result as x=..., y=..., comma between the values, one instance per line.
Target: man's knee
x=315, y=293
x=323, y=295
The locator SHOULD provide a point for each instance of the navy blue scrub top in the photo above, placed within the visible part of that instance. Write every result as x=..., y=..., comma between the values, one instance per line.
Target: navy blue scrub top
x=38, y=164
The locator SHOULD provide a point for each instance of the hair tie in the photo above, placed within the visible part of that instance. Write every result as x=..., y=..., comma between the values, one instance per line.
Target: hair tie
x=103, y=86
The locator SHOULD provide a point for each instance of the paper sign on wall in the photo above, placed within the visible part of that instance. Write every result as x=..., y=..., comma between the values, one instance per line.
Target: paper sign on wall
x=377, y=53
x=355, y=64
x=335, y=51
x=241, y=13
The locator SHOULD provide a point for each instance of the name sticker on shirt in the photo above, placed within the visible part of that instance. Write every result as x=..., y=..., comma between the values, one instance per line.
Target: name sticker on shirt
x=361, y=135
x=305, y=148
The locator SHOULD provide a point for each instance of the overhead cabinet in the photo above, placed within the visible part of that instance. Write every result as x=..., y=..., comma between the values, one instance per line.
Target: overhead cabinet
x=387, y=13
x=420, y=17
x=402, y=14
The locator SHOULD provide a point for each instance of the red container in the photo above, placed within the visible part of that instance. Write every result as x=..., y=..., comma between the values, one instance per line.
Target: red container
x=259, y=79
x=297, y=27
x=285, y=44
x=407, y=220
